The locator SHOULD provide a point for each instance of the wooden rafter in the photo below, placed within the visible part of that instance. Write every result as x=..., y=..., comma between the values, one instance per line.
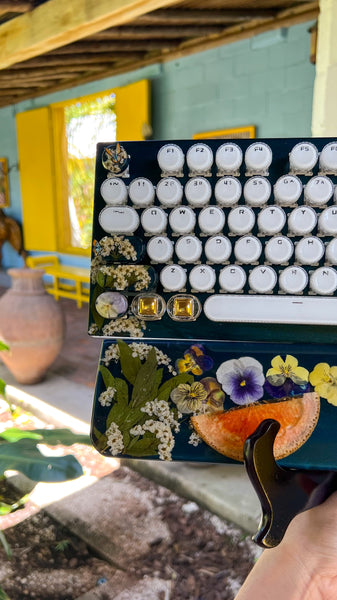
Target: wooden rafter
x=198, y=17
x=7, y=6
x=158, y=32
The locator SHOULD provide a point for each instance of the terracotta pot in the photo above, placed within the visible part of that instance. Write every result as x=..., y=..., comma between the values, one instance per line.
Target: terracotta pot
x=31, y=324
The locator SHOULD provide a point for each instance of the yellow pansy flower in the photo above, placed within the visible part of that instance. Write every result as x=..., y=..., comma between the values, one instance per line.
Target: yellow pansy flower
x=324, y=380
x=286, y=369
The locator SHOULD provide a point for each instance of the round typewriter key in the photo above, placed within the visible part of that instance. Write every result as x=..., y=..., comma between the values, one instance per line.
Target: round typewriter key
x=183, y=307
x=171, y=158
x=160, y=249
x=198, y=191
x=199, y=158
x=169, y=191
x=122, y=219
x=279, y=250
x=302, y=220
x=149, y=307
x=114, y=191
x=262, y=279
x=257, y=191
x=154, y=220
x=141, y=192
x=173, y=278
x=241, y=220
x=248, y=249
x=188, y=248
x=293, y=280
x=218, y=249
x=331, y=252
x=182, y=219
x=323, y=281
x=228, y=157
x=258, y=157
x=287, y=190
x=271, y=220
x=328, y=158
x=318, y=191
x=232, y=278
x=309, y=250
x=303, y=157
x=211, y=219
x=111, y=305
x=202, y=278
x=227, y=191
x=327, y=221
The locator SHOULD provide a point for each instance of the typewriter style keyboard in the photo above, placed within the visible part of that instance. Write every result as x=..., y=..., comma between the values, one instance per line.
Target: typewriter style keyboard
x=190, y=235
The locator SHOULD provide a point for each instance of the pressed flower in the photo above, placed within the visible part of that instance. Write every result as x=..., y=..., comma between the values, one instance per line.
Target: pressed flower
x=286, y=369
x=189, y=398
x=324, y=380
x=195, y=361
x=215, y=396
x=242, y=379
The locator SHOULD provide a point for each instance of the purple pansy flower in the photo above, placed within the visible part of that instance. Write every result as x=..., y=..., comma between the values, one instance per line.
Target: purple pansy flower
x=242, y=379
x=195, y=361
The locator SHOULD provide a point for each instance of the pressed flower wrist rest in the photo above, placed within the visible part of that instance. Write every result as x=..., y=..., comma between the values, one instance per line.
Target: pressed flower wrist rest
x=190, y=401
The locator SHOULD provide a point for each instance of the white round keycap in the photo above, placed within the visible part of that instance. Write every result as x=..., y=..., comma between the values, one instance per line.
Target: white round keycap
x=154, y=220
x=114, y=191
x=271, y=220
x=199, y=158
x=173, y=278
x=287, y=190
x=182, y=219
x=257, y=191
x=169, y=191
x=331, y=252
x=218, y=249
x=328, y=158
x=188, y=248
x=309, y=250
x=198, y=191
x=302, y=220
x=248, y=249
x=141, y=192
x=327, y=221
x=279, y=250
x=170, y=158
x=318, y=191
x=323, y=281
x=262, y=279
x=303, y=157
x=202, y=278
x=232, y=278
x=227, y=191
x=258, y=157
x=118, y=219
x=293, y=280
x=241, y=220
x=211, y=219
x=228, y=157
x=160, y=249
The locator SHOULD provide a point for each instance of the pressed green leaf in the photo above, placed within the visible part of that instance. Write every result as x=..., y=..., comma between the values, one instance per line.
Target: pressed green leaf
x=159, y=377
x=100, y=441
x=145, y=386
x=2, y=388
x=130, y=365
x=13, y=434
x=100, y=278
x=25, y=457
x=109, y=380
x=133, y=417
x=122, y=392
x=144, y=447
x=167, y=387
x=53, y=437
x=116, y=415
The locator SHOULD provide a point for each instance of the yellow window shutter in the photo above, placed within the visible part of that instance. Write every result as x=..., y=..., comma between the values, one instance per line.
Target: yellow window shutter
x=133, y=111
x=35, y=148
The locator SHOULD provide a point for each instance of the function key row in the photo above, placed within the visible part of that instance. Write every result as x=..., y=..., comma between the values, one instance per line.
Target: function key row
x=257, y=159
x=227, y=192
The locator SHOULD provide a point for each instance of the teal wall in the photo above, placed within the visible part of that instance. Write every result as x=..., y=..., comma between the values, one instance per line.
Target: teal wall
x=266, y=81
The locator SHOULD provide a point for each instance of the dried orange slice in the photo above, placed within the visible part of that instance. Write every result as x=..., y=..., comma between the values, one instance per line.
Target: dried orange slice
x=227, y=432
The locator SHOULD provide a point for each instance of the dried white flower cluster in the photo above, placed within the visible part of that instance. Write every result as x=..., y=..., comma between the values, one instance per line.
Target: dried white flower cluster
x=139, y=349
x=122, y=274
x=162, y=428
x=105, y=398
x=131, y=325
x=117, y=244
x=93, y=329
x=194, y=439
x=96, y=264
x=114, y=439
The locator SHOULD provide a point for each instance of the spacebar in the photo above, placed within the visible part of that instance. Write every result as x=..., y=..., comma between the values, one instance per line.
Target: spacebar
x=306, y=310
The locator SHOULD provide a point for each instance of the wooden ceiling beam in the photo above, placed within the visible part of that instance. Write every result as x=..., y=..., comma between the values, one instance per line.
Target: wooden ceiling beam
x=24, y=75
x=59, y=22
x=7, y=6
x=203, y=17
x=106, y=47
x=149, y=33
x=49, y=61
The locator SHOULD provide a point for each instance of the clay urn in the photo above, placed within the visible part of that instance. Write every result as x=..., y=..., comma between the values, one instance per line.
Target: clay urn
x=31, y=324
